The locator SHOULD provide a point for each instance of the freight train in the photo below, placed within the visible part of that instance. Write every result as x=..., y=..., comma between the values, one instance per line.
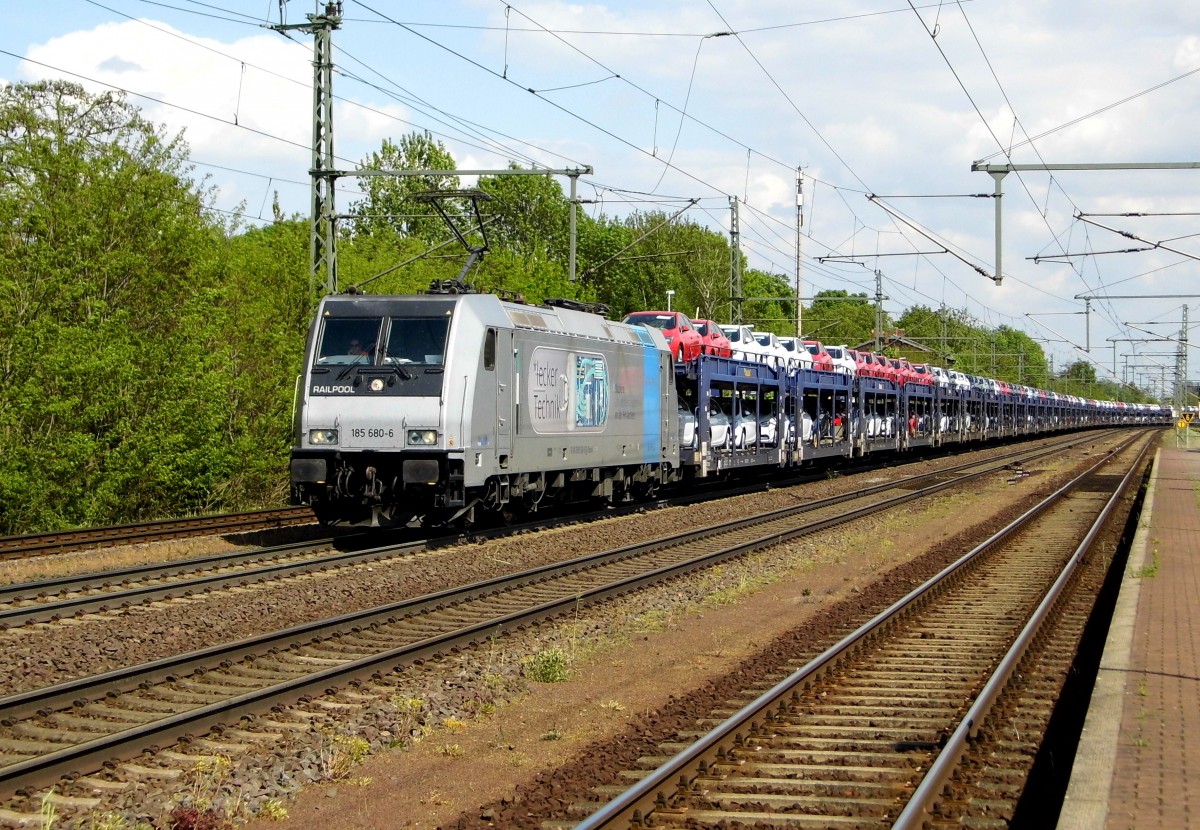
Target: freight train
x=445, y=408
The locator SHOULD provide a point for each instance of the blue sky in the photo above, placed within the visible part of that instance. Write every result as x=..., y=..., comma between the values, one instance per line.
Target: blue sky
x=711, y=99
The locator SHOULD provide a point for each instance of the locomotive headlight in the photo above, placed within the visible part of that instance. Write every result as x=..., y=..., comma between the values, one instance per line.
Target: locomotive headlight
x=377, y=384
x=322, y=436
x=422, y=437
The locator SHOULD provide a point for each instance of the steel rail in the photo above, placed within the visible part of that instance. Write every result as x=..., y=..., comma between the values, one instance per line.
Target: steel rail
x=122, y=597
x=25, y=703
x=626, y=809
x=44, y=769
x=913, y=815
x=116, y=595
x=33, y=544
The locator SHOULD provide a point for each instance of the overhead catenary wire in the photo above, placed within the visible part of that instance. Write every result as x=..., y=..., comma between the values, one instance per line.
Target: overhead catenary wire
x=662, y=34
x=412, y=100
x=749, y=150
x=1109, y=309
x=1110, y=312
x=769, y=222
x=562, y=108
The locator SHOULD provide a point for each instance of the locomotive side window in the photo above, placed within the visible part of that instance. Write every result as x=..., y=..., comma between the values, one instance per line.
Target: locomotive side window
x=489, y=350
x=349, y=340
x=417, y=340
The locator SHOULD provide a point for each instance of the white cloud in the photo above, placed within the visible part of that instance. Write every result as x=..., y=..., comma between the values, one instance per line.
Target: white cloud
x=868, y=103
x=244, y=104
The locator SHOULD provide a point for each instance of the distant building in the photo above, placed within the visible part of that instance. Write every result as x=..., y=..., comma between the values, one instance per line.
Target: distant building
x=898, y=345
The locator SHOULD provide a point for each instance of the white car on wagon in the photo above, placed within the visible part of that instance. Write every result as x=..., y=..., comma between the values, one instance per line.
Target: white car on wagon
x=798, y=356
x=741, y=340
x=773, y=353
x=843, y=363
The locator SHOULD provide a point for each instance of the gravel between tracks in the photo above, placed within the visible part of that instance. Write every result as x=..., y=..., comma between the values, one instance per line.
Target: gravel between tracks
x=482, y=732
x=35, y=656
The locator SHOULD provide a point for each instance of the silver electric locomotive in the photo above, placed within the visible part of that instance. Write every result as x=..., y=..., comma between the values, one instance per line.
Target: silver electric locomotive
x=436, y=408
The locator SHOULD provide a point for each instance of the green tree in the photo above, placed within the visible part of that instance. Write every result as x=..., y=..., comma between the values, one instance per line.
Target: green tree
x=770, y=302
x=388, y=263
x=104, y=386
x=1079, y=370
x=839, y=317
x=693, y=261
x=604, y=276
x=528, y=231
x=631, y=263
x=953, y=333
x=528, y=215
x=392, y=204
x=1020, y=358
x=264, y=310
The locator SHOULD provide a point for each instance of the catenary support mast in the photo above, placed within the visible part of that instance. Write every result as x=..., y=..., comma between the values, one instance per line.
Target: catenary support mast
x=735, y=263
x=322, y=234
x=999, y=171
x=799, y=231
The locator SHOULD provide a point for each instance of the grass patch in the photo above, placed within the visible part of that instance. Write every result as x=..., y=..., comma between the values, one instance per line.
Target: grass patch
x=200, y=807
x=732, y=593
x=107, y=821
x=1148, y=571
x=407, y=705
x=653, y=622
x=549, y=666
x=106, y=559
x=49, y=813
x=116, y=821
x=341, y=754
x=273, y=810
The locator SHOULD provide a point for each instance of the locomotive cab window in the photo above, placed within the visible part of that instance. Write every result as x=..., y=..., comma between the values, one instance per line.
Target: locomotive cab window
x=348, y=340
x=420, y=340
x=489, y=350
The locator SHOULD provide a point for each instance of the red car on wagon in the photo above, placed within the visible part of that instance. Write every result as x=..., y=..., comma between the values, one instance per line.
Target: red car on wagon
x=821, y=359
x=681, y=334
x=712, y=340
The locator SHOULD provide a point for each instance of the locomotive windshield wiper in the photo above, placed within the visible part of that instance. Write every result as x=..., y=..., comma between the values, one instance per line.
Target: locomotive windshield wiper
x=394, y=367
x=359, y=361
x=400, y=370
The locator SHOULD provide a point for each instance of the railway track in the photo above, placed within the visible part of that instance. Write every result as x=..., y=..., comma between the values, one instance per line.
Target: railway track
x=40, y=544
x=76, y=727
x=873, y=732
x=52, y=600
x=61, y=598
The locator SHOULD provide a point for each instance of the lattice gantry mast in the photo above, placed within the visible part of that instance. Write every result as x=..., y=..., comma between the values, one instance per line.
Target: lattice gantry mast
x=323, y=233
